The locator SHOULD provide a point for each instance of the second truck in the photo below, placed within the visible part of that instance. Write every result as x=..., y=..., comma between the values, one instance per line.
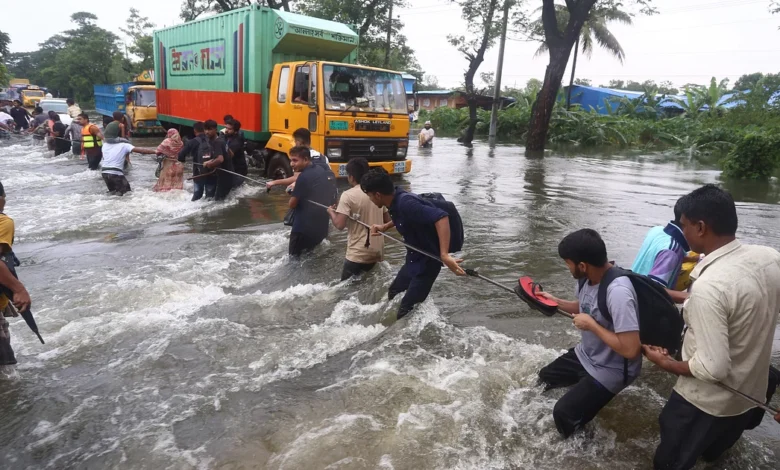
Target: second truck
x=275, y=72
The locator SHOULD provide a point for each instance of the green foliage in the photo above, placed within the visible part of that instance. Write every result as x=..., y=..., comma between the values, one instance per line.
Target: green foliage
x=139, y=30
x=755, y=156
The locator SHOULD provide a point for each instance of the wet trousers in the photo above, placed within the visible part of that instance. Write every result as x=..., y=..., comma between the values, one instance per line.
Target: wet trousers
x=582, y=402
x=354, y=269
x=417, y=282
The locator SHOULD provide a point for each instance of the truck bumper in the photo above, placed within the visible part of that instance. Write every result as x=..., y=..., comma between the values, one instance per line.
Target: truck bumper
x=393, y=168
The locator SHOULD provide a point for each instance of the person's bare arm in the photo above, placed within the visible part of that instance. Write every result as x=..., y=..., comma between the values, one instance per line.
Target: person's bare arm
x=626, y=344
x=570, y=306
x=283, y=182
x=145, y=151
x=677, y=296
x=443, y=231
x=293, y=202
x=339, y=220
x=21, y=297
x=215, y=162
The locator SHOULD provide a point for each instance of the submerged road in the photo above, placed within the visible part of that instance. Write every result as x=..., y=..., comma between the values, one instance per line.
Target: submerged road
x=179, y=335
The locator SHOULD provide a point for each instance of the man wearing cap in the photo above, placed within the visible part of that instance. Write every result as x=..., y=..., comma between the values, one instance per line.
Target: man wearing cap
x=21, y=298
x=116, y=152
x=426, y=135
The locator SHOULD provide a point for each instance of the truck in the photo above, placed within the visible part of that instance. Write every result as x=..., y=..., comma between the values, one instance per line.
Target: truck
x=137, y=99
x=275, y=72
x=30, y=95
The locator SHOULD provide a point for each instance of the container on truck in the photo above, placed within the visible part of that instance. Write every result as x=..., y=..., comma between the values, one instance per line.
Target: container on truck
x=137, y=99
x=275, y=72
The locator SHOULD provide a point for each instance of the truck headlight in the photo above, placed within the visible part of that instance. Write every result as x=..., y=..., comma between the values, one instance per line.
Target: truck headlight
x=334, y=152
x=401, y=152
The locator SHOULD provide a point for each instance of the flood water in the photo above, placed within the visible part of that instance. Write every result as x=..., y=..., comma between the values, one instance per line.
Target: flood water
x=179, y=335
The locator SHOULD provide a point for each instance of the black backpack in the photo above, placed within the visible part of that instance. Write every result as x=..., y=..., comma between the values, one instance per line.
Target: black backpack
x=456, y=223
x=660, y=322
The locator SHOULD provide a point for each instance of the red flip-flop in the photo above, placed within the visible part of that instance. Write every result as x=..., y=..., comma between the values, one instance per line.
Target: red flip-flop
x=528, y=291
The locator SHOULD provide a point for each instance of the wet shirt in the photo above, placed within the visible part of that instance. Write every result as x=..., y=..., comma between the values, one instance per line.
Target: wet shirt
x=59, y=131
x=114, y=157
x=40, y=120
x=357, y=204
x=661, y=255
x=599, y=360
x=414, y=218
x=74, y=132
x=19, y=115
x=6, y=238
x=312, y=184
x=191, y=149
x=235, y=144
x=732, y=315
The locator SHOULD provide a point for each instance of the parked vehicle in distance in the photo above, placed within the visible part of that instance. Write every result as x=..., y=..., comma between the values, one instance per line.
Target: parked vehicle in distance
x=57, y=105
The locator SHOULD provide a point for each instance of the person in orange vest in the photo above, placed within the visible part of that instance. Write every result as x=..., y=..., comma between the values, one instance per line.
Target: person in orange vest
x=91, y=142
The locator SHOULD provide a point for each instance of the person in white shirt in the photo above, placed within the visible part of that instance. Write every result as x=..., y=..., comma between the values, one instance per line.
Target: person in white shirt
x=4, y=121
x=426, y=135
x=731, y=313
x=116, y=152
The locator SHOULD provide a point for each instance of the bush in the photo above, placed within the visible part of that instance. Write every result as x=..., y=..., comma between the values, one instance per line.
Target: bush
x=755, y=156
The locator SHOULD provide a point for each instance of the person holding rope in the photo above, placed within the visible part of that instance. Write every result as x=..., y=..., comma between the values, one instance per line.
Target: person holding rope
x=116, y=153
x=363, y=251
x=309, y=223
x=202, y=179
x=731, y=313
x=609, y=356
x=422, y=225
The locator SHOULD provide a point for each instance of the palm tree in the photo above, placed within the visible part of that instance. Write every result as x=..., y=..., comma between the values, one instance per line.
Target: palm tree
x=594, y=29
x=700, y=97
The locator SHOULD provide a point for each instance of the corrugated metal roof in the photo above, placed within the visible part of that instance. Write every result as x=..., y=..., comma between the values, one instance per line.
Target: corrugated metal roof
x=436, y=92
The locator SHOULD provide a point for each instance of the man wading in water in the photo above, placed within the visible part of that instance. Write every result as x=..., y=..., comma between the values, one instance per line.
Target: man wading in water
x=116, y=153
x=422, y=225
x=21, y=298
x=609, y=357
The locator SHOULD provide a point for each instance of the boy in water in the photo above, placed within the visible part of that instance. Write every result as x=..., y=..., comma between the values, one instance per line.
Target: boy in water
x=310, y=223
x=609, y=357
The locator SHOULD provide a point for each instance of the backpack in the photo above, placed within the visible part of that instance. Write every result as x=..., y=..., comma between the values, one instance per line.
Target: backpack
x=456, y=223
x=660, y=322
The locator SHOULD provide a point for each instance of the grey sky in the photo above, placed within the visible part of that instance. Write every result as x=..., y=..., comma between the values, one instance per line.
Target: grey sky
x=689, y=41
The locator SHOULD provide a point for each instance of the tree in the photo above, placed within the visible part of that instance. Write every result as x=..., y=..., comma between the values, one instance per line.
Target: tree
x=583, y=82
x=594, y=28
x=697, y=98
x=559, y=43
x=139, y=30
x=5, y=39
x=482, y=27
x=748, y=81
x=428, y=83
x=372, y=20
x=192, y=9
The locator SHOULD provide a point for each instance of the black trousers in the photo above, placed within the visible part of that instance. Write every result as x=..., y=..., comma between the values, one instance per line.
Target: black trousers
x=300, y=242
x=582, y=403
x=354, y=269
x=116, y=184
x=94, y=161
x=417, y=286
x=688, y=433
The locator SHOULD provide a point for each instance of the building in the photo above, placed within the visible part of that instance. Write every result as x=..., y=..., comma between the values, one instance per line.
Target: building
x=432, y=99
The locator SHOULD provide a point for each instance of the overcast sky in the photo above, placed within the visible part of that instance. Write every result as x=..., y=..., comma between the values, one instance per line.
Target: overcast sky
x=688, y=41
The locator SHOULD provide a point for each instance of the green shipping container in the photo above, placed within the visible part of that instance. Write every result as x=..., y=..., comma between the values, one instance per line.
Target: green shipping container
x=221, y=64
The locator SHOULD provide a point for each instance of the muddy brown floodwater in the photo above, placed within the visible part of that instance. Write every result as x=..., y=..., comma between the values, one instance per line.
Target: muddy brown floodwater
x=180, y=336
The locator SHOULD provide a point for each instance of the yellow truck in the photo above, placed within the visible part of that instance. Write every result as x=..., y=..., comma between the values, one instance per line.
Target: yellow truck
x=275, y=72
x=31, y=95
x=136, y=99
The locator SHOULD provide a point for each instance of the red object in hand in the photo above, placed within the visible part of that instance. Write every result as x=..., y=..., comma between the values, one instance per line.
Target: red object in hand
x=528, y=291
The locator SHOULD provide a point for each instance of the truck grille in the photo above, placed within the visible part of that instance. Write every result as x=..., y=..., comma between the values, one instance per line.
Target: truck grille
x=371, y=150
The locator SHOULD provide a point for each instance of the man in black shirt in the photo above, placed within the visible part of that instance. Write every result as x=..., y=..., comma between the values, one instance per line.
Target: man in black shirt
x=21, y=116
x=218, y=159
x=192, y=149
x=310, y=223
x=235, y=148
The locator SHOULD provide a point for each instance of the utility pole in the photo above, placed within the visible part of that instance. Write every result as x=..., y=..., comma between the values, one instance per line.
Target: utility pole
x=499, y=71
x=389, y=33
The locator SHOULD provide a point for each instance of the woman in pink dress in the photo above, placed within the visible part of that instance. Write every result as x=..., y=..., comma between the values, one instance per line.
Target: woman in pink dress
x=172, y=173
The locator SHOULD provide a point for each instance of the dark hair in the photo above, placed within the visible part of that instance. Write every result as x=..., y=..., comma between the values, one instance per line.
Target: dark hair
x=51, y=115
x=357, y=168
x=70, y=101
x=84, y=115
x=377, y=181
x=17, y=101
x=117, y=116
x=300, y=151
x=2, y=190
x=303, y=135
x=210, y=124
x=713, y=206
x=583, y=246
x=54, y=116
x=38, y=110
x=677, y=211
x=227, y=118
x=235, y=123
x=198, y=127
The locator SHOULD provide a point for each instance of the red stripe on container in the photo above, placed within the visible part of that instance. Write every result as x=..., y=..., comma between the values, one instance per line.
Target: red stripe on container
x=200, y=105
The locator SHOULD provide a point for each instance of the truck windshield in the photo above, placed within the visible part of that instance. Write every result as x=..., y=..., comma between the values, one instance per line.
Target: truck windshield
x=363, y=89
x=33, y=93
x=145, y=97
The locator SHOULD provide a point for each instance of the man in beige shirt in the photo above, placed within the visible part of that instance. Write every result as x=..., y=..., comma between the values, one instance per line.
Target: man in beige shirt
x=363, y=250
x=731, y=315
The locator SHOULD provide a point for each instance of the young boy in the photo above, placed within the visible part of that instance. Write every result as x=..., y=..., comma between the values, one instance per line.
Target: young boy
x=608, y=358
x=310, y=223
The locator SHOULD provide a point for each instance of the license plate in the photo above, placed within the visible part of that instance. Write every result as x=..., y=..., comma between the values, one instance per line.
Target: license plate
x=343, y=171
x=339, y=125
x=399, y=167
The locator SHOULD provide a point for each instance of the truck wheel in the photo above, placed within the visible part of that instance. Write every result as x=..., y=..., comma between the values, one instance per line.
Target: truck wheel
x=279, y=167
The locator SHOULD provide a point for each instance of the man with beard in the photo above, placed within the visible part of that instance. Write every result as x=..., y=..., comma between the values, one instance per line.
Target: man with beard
x=608, y=359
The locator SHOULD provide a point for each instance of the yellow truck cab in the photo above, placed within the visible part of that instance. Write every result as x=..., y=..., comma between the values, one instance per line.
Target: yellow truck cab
x=141, y=109
x=31, y=96
x=359, y=112
x=276, y=72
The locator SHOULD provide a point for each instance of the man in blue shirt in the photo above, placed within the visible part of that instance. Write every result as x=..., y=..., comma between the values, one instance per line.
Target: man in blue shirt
x=662, y=253
x=310, y=223
x=422, y=225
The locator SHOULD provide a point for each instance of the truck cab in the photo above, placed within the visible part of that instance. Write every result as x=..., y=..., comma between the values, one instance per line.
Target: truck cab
x=31, y=96
x=351, y=111
x=141, y=110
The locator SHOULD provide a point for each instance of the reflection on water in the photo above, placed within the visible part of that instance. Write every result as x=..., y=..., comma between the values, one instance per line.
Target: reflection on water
x=179, y=334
